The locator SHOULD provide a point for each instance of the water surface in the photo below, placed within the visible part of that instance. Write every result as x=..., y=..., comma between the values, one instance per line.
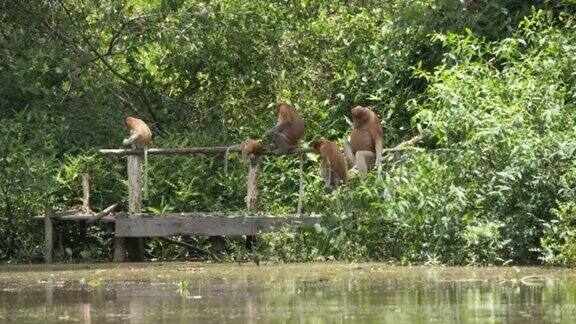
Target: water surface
x=317, y=293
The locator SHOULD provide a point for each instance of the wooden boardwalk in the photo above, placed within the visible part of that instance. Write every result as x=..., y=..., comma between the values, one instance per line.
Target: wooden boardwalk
x=132, y=226
x=205, y=224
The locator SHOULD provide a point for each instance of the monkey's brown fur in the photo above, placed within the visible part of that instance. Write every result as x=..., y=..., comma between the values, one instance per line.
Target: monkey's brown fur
x=365, y=147
x=289, y=130
x=247, y=147
x=334, y=169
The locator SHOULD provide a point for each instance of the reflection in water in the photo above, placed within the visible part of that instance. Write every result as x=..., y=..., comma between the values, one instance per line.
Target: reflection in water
x=334, y=294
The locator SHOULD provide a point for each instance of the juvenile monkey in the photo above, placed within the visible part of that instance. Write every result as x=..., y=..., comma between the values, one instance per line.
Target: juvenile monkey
x=334, y=168
x=247, y=147
x=365, y=147
x=289, y=130
x=140, y=138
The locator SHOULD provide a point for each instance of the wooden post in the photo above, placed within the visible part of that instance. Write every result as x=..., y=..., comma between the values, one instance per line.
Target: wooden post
x=301, y=186
x=86, y=193
x=119, y=249
x=85, y=207
x=253, y=176
x=48, y=235
x=134, y=246
x=252, y=193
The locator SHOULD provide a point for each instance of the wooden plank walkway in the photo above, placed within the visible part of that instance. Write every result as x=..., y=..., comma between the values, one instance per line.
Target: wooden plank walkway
x=204, y=224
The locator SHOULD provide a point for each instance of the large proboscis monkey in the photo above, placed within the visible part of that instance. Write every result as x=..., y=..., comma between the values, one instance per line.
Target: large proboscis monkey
x=365, y=147
x=289, y=130
x=140, y=138
x=334, y=169
x=247, y=147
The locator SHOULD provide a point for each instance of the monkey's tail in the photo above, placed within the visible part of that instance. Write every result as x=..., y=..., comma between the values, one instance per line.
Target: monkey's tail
x=145, y=173
x=226, y=156
x=301, y=190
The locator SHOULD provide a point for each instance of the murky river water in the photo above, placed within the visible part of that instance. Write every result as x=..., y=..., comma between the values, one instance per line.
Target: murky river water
x=311, y=293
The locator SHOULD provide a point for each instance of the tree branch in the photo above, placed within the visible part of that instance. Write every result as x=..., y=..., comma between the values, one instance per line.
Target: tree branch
x=110, y=68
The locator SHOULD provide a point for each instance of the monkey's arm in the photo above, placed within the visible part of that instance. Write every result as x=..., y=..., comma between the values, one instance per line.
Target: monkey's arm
x=378, y=149
x=278, y=128
x=129, y=140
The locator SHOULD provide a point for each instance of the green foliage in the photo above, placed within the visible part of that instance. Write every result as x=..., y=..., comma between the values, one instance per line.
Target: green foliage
x=493, y=80
x=559, y=237
x=503, y=114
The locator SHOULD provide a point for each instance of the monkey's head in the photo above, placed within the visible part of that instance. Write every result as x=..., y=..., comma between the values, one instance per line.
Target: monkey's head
x=128, y=121
x=317, y=144
x=283, y=108
x=360, y=113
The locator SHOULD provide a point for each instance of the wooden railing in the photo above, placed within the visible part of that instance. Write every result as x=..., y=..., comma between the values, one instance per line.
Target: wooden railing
x=131, y=226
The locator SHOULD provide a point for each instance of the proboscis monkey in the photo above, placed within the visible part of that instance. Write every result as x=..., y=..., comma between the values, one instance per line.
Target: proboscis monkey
x=140, y=138
x=334, y=169
x=247, y=147
x=289, y=130
x=365, y=147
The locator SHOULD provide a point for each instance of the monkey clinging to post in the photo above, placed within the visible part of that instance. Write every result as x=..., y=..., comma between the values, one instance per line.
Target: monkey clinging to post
x=247, y=147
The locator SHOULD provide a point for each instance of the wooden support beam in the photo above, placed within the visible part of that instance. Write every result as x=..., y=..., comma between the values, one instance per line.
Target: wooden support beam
x=252, y=193
x=192, y=151
x=176, y=224
x=81, y=217
x=222, y=149
x=132, y=248
x=48, y=235
x=135, y=246
x=300, y=187
x=119, y=248
x=252, y=183
x=60, y=214
x=86, y=193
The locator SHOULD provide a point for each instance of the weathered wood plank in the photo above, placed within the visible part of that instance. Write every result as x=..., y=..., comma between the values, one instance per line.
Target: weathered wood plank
x=252, y=183
x=224, y=215
x=207, y=225
x=192, y=151
x=252, y=194
x=222, y=149
x=112, y=216
x=301, y=187
x=135, y=246
x=82, y=217
x=48, y=236
x=86, y=193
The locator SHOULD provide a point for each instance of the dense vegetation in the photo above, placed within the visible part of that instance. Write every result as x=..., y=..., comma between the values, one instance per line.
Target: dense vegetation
x=495, y=82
